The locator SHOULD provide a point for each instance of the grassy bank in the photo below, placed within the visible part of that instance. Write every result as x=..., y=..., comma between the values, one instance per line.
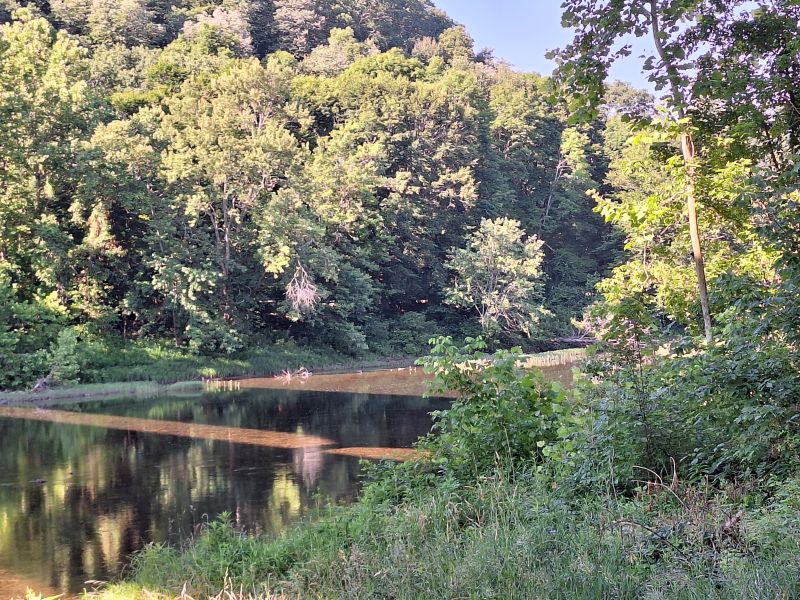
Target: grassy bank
x=149, y=370
x=165, y=364
x=501, y=539
x=140, y=370
x=133, y=389
x=509, y=501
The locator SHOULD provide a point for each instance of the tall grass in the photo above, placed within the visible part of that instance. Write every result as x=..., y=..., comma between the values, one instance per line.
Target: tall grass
x=497, y=539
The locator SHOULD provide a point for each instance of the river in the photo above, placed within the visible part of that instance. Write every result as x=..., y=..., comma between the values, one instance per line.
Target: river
x=85, y=485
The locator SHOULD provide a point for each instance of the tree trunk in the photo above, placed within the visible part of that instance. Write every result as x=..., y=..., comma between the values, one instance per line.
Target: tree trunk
x=559, y=172
x=687, y=146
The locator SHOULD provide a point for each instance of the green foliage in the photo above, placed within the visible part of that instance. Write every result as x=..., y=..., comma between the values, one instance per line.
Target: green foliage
x=494, y=509
x=64, y=367
x=184, y=178
x=47, y=108
x=203, y=195
x=104, y=361
x=501, y=539
x=647, y=210
x=222, y=554
x=726, y=411
x=499, y=275
x=502, y=414
x=27, y=330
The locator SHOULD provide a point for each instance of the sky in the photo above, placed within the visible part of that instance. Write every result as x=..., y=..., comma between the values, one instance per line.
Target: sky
x=522, y=31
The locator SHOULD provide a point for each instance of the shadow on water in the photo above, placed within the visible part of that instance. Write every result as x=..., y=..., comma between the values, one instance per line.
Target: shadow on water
x=80, y=490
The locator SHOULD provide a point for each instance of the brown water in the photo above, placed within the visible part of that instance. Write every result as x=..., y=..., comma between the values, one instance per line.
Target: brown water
x=409, y=381
x=83, y=488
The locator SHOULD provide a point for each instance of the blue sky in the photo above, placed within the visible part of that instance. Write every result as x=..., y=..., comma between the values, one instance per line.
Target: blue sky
x=522, y=31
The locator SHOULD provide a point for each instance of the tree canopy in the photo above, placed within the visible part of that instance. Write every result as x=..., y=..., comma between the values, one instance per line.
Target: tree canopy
x=226, y=173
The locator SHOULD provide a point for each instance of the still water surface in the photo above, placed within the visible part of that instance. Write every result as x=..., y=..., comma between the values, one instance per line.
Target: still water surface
x=83, y=487
x=77, y=499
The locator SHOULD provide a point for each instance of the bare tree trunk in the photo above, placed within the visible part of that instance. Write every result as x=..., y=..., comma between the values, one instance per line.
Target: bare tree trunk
x=687, y=146
x=560, y=167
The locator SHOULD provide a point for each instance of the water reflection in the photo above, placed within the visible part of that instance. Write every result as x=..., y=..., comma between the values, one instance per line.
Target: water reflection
x=398, y=454
x=408, y=381
x=77, y=499
x=81, y=490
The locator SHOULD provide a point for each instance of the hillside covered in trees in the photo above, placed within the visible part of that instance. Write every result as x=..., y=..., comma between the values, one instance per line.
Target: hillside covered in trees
x=672, y=469
x=355, y=177
x=219, y=176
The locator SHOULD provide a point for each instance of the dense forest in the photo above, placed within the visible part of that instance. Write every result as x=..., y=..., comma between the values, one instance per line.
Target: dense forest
x=355, y=176
x=221, y=176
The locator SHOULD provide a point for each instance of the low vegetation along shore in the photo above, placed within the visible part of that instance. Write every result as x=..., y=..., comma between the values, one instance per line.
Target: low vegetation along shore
x=169, y=372
x=151, y=370
x=523, y=492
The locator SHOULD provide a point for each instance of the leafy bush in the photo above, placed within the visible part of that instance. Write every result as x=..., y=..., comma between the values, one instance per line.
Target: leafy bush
x=28, y=329
x=502, y=413
x=727, y=410
x=406, y=335
x=64, y=367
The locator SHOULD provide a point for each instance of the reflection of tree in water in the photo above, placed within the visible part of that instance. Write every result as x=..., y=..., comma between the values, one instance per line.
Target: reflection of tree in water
x=351, y=419
x=307, y=463
x=109, y=492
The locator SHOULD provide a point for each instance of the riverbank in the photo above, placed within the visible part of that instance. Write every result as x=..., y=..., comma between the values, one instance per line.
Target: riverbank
x=154, y=374
x=509, y=502
x=133, y=389
x=498, y=538
x=182, y=374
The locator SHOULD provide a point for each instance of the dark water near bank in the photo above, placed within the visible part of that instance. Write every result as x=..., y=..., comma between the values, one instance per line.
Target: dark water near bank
x=84, y=486
x=77, y=499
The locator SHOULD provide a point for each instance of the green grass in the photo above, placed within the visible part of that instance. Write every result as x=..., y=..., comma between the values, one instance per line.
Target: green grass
x=143, y=370
x=165, y=364
x=497, y=539
x=143, y=389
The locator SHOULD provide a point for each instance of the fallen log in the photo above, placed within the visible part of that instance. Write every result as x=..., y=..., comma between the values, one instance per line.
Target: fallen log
x=41, y=384
x=576, y=341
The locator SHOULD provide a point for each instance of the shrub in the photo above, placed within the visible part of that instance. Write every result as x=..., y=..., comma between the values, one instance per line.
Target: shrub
x=502, y=414
x=64, y=368
x=728, y=410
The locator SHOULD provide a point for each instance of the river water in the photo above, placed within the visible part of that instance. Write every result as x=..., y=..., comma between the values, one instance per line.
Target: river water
x=84, y=486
